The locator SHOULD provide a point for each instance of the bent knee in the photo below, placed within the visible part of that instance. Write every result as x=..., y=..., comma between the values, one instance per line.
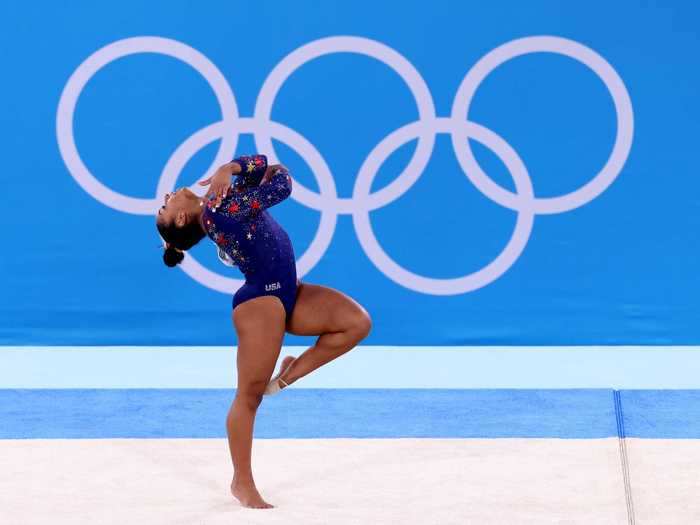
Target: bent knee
x=360, y=325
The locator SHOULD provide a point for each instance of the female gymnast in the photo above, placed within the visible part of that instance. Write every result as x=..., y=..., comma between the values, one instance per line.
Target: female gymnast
x=271, y=302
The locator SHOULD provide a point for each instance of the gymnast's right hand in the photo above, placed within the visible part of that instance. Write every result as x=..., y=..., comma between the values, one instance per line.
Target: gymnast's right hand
x=220, y=183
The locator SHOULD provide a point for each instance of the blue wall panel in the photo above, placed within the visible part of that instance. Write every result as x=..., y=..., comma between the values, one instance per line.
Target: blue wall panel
x=576, y=221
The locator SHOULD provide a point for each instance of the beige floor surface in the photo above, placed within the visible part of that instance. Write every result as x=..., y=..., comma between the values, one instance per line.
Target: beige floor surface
x=665, y=480
x=327, y=481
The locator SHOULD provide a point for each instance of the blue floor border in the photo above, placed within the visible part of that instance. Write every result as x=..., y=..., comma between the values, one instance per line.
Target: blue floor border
x=353, y=413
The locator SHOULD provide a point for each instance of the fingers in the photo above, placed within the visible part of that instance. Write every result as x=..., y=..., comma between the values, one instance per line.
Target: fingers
x=219, y=193
x=266, y=178
x=205, y=182
x=271, y=172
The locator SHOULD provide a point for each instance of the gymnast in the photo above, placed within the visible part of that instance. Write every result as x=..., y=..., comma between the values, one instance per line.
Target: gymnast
x=272, y=301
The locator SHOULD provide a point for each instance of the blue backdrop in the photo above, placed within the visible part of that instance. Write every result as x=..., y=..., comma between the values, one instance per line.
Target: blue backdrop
x=81, y=262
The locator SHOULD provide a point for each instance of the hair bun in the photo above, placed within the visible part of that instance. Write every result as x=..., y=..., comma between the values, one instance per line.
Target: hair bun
x=172, y=257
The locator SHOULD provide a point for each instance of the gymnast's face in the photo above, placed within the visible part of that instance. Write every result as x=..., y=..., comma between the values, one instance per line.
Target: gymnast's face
x=177, y=206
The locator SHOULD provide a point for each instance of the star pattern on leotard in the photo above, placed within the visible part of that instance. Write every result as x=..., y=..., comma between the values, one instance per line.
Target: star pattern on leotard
x=239, y=223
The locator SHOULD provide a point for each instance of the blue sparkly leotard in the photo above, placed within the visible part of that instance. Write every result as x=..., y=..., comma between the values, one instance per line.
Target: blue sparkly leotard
x=242, y=228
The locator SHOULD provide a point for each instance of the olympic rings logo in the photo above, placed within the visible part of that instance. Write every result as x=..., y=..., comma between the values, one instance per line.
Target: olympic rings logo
x=363, y=201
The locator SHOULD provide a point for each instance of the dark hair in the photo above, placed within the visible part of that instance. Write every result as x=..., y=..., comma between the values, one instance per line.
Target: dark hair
x=172, y=256
x=179, y=240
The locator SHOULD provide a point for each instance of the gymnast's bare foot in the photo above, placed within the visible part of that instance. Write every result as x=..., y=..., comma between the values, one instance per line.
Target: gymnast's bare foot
x=248, y=495
x=285, y=364
x=277, y=383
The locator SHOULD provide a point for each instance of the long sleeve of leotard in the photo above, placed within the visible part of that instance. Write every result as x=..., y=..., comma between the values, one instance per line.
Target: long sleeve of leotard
x=253, y=169
x=258, y=198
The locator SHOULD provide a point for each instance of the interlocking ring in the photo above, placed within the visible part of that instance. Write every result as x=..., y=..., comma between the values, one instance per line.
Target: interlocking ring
x=363, y=201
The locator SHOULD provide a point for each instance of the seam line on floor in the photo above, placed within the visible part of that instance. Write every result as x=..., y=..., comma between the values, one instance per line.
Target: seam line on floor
x=622, y=442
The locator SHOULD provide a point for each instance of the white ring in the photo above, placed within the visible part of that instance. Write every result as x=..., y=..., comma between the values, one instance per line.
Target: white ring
x=100, y=58
x=581, y=53
x=363, y=46
x=475, y=280
x=362, y=200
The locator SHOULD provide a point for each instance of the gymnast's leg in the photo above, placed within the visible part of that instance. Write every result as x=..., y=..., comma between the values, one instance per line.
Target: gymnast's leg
x=260, y=325
x=339, y=321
